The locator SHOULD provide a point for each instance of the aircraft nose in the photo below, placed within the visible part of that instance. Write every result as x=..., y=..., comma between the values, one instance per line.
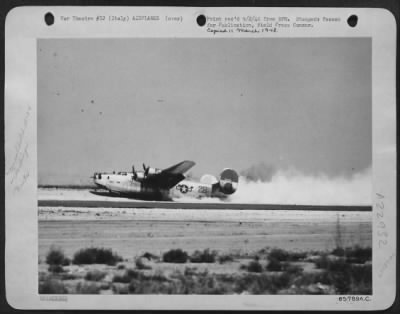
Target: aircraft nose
x=96, y=176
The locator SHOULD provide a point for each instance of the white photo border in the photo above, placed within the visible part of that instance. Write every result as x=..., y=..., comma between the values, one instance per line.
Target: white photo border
x=24, y=25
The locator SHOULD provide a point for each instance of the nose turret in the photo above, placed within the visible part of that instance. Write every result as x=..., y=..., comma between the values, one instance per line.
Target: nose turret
x=97, y=179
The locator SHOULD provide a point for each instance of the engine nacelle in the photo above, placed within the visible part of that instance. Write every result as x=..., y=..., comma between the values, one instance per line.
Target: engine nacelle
x=153, y=171
x=228, y=181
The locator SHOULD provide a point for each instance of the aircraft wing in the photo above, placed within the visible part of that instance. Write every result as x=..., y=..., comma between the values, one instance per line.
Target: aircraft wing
x=180, y=168
x=171, y=176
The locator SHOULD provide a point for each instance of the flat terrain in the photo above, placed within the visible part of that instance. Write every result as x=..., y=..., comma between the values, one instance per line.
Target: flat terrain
x=132, y=231
x=91, y=198
x=71, y=220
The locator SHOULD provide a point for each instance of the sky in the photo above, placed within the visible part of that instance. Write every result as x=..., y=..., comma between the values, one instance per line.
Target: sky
x=289, y=103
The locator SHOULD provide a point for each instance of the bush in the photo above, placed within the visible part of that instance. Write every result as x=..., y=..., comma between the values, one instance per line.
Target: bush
x=52, y=286
x=175, y=256
x=159, y=276
x=332, y=264
x=278, y=255
x=358, y=254
x=87, y=288
x=96, y=256
x=120, y=289
x=291, y=269
x=55, y=269
x=56, y=256
x=339, y=251
x=283, y=256
x=140, y=264
x=127, y=277
x=274, y=265
x=225, y=258
x=149, y=256
x=190, y=271
x=297, y=256
x=254, y=267
x=95, y=275
x=68, y=276
x=203, y=257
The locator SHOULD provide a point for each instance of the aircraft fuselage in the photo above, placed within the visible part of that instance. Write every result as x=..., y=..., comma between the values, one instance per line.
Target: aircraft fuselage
x=124, y=184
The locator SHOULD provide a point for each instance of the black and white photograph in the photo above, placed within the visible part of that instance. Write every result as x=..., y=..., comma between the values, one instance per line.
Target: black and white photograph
x=241, y=157
x=201, y=166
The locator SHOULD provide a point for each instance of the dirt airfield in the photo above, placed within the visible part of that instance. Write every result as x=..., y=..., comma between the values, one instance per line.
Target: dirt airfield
x=245, y=236
x=132, y=232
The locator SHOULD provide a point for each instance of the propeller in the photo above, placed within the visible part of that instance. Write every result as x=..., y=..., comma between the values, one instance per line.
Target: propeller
x=146, y=170
x=134, y=174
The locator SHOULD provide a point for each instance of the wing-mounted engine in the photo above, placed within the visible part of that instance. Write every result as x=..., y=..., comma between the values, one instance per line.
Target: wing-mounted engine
x=228, y=182
x=151, y=171
x=147, y=172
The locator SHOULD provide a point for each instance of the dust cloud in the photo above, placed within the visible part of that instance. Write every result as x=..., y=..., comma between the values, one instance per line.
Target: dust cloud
x=293, y=187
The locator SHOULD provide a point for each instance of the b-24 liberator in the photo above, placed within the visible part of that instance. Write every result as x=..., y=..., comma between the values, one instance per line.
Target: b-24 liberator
x=167, y=184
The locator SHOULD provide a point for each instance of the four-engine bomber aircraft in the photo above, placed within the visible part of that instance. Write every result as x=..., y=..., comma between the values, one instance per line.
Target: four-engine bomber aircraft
x=157, y=184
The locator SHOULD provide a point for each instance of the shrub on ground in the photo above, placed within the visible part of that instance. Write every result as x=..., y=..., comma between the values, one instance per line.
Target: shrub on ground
x=338, y=251
x=158, y=276
x=297, y=256
x=274, y=264
x=56, y=269
x=347, y=278
x=87, y=288
x=190, y=271
x=290, y=268
x=278, y=254
x=56, y=257
x=120, y=289
x=322, y=261
x=331, y=264
x=282, y=255
x=175, y=256
x=96, y=256
x=203, y=256
x=128, y=275
x=140, y=264
x=150, y=256
x=67, y=276
x=52, y=286
x=225, y=258
x=121, y=266
x=254, y=267
x=95, y=275
x=358, y=255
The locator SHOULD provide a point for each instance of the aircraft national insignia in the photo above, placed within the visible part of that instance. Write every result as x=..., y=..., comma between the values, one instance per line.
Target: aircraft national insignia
x=184, y=188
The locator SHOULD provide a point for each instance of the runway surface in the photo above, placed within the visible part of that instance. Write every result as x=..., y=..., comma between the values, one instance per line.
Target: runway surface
x=76, y=219
x=84, y=198
x=133, y=231
x=220, y=206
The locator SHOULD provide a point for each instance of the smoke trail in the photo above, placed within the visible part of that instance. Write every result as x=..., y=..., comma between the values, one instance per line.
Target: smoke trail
x=291, y=187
